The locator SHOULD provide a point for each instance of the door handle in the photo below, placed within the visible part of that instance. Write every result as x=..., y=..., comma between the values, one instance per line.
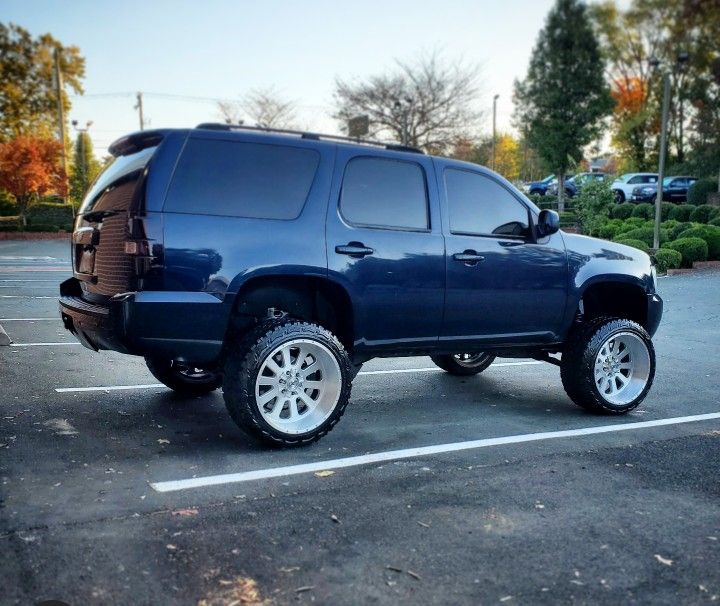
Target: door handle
x=469, y=257
x=356, y=250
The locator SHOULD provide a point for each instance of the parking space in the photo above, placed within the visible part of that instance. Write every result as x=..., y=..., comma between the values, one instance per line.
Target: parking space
x=96, y=460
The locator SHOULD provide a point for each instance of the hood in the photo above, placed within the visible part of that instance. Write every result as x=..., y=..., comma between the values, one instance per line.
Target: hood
x=599, y=249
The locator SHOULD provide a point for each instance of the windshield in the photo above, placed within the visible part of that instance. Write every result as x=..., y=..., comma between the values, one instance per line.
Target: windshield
x=666, y=180
x=122, y=170
x=548, y=179
x=624, y=178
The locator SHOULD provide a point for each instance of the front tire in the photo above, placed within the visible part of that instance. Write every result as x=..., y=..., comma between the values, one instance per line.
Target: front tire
x=464, y=364
x=608, y=365
x=619, y=196
x=287, y=383
x=184, y=378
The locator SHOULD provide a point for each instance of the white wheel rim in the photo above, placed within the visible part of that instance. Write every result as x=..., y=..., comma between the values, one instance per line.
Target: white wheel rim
x=622, y=368
x=298, y=386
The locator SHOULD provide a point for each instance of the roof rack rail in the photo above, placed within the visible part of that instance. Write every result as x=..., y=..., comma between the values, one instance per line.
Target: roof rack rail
x=310, y=135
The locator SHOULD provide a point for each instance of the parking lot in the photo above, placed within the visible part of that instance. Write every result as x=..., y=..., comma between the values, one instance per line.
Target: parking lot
x=115, y=489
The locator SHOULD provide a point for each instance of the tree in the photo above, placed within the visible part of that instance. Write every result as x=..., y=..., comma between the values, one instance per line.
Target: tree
x=263, y=107
x=429, y=103
x=85, y=167
x=28, y=101
x=508, y=154
x=29, y=168
x=564, y=97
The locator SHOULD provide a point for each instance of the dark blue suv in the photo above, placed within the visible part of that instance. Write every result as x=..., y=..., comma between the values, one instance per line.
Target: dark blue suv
x=274, y=264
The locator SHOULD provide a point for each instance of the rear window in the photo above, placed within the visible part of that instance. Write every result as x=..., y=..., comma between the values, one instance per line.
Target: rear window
x=114, y=187
x=230, y=178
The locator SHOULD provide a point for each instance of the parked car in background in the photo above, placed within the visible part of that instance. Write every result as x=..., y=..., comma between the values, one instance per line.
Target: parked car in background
x=539, y=188
x=573, y=185
x=674, y=189
x=624, y=185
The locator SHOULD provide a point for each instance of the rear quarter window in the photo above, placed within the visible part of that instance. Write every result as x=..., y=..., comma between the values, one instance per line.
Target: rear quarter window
x=237, y=179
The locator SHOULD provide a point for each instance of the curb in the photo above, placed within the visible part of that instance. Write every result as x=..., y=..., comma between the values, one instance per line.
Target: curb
x=4, y=338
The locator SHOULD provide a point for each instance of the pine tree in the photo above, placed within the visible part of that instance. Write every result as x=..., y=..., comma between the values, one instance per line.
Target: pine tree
x=85, y=167
x=564, y=96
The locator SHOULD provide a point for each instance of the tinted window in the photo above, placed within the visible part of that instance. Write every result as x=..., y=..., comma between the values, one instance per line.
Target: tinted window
x=480, y=205
x=637, y=180
x=114, y=187
x=242, y=179
x=384, y=193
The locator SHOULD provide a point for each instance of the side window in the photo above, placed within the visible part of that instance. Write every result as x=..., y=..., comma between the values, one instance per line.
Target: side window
x=231, y=178
x=378, y=192
x=651, y=179
x=635, y=180
x=478, y=205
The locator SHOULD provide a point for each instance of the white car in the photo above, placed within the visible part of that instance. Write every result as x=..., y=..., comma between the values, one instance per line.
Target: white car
x=624, y=185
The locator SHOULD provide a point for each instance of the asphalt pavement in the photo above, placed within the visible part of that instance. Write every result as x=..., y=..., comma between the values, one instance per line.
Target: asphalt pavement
x=431, y=490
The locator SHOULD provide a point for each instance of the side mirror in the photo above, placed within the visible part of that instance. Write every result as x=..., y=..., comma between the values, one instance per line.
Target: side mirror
x=548, y=223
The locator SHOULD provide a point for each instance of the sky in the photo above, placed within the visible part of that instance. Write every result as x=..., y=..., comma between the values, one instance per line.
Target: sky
x=185, y=54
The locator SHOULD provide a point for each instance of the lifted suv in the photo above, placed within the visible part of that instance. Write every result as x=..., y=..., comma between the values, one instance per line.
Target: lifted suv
x=274, y=264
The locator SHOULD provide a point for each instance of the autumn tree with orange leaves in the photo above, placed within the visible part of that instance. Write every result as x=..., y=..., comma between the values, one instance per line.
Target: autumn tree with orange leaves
x=30, y=168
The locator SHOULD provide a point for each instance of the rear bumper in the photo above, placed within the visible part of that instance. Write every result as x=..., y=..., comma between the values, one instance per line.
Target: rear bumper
x=187, y=326
x=654, y=313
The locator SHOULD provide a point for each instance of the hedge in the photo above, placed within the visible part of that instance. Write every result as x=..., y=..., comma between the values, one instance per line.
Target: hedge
x=666, y=258
x=45, y=216
x=704, y=213
x=691, y=249
x=639, y=244
x=665, y=208
x=567, y=218
x=681, y=212
x=709, y=233
x=644, y=211
x=645, y=234
x=622, y=211
x=715, y=221
x=674, y=232
x=698, y=191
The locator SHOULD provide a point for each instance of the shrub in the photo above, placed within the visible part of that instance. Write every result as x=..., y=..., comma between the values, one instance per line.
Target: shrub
x=704, y=213
x=715, y=221
x=639, y=244
x=698, y=191
x=608, y=231
x=622, y=211
x=8, y=208
x=669, y=224
x=709, y=233
x=691, y=249
x=674, y=232
x=666, y=258
x=681, y=212
x=567, y=218
x=646, y=234
x=593, y=205
x=50, y=215
x=644, y=211
x=665, y=208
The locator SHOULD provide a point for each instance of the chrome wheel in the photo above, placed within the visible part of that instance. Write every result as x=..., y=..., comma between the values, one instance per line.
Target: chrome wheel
x=298, y=386
x=622, y=368
x=192, y=374
x=470, y=360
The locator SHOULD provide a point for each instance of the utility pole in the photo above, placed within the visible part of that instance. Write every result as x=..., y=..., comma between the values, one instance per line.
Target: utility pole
x=60, y=109
x=139, y=107
x=661, y=165
x=492, y=163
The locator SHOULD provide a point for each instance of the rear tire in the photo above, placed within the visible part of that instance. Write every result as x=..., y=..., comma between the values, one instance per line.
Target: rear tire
x=619, y=196
x=287, y=383
x=608, y=365
x=463, y=365
x=184, y=379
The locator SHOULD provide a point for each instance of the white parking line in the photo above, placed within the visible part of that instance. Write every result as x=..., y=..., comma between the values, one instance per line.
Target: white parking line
x=26, y=297
x=369, y=372
x=43, y=344
x=16, y=280
x=29, y=319
x=410, y=453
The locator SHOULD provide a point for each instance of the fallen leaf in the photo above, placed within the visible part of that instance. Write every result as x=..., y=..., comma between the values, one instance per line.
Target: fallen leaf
x=61, y=427
x=663, y=560
x=241, y=590
x=163, y=441
x=171, y=547
x=424, y=525
x=334, y=518
x=506, y=598
x=324, y=474
x=290, y=569
x=185, y=513
x=304, y=588
x=414, y=575
x=394, y=568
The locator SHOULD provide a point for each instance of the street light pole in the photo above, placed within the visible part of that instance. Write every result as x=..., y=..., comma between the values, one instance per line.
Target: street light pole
x=661, y=163
x=492, y=162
